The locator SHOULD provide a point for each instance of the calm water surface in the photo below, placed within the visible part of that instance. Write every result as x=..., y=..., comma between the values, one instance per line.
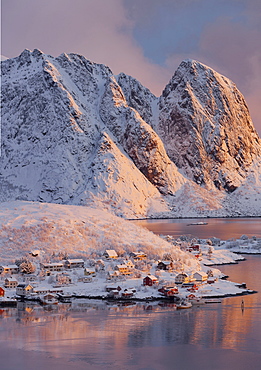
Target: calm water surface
x=97, y=335
x=223, y=228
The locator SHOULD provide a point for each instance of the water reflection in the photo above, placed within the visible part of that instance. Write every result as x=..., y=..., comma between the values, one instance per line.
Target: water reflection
x=72, y=327
x=88, y=334
x=219, y=227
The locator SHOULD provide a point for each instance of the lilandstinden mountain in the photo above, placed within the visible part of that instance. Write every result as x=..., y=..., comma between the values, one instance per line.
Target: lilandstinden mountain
x=74, y=133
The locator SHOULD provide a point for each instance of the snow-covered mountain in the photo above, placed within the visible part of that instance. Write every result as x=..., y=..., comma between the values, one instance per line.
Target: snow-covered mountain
x=206, y=127
x=74, y=133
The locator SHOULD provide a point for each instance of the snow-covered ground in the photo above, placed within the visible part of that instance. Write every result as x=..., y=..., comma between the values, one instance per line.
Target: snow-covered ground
x=82, y=232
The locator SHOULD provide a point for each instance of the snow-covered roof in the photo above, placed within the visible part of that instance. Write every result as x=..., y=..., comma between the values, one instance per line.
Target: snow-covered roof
x=152, y=277
x=111, y=253
x=75, y=261
x=11, y=279
x=166, y=262
x=201, y=273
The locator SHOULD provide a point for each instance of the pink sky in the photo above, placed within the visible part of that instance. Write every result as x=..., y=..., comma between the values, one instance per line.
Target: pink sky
x=146, y=39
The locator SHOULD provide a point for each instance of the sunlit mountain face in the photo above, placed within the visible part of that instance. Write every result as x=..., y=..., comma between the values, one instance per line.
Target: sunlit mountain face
x=73, y=133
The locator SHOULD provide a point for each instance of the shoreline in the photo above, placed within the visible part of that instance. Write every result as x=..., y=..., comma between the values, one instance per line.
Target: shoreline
x=188, y=218
x=132, y=299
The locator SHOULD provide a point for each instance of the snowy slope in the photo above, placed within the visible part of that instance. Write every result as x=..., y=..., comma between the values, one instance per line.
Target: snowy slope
x=53, y=133
x=75, y=230
x=73, y=133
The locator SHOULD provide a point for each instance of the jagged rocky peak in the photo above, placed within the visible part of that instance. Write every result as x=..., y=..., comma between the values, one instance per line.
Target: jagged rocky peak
x=205, y=125
x=139, y=140
x=74, y=133
x=55, y=111
x=137, y=96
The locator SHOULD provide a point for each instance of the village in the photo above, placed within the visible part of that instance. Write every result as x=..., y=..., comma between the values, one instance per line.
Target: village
x=58, y=278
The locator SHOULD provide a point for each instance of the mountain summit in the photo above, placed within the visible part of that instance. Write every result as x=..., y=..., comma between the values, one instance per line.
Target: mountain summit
x=74, y=133
x=206, y=127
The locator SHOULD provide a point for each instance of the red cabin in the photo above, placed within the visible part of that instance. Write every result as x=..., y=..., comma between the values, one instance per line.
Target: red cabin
x=2, y=292
x=150, y=280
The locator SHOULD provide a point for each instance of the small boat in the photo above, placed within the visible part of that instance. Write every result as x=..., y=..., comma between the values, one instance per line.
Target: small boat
x=184, y=304
x=48, y=299
x=198, y=223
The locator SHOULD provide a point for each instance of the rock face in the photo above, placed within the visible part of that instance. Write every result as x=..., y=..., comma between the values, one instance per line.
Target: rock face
x=206, y=127
x=74, y=133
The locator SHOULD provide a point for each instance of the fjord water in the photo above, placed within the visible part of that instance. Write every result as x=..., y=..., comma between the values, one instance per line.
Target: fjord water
x=223, y=228
x=152, y=336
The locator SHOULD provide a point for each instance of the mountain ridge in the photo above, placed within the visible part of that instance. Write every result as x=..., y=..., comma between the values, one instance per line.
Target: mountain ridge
x=74, y=133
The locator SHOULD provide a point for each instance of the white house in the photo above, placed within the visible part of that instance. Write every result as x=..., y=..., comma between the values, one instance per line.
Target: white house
x=23, y=289
x=41, y=290
x=123, y=269
x=54, y=266
x=110, y=253
x=11, y=283
x=44, y=290
x=130, y=264
x=89, y=272
x=113, y=274
x=11, y=269
x=182, y=278
x=74, y=263
x=138, y=255
x=200, y=276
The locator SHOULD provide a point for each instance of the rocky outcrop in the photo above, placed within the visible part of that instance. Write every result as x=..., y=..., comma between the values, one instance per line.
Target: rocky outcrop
x=139, y=140
x=138, y=97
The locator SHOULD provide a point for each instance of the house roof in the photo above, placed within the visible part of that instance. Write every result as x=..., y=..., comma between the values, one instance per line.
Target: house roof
x=111, y=252
x=152, y=277
x=10, y=266
x=11, y=279
x=75, y=261
x=113, y=273
x=201, y=273
x=22, y=285
x=138, y=254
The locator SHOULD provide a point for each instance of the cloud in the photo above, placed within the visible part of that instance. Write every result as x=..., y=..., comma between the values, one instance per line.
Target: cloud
x=147, y=39
x=234, y=50
x=100, y=30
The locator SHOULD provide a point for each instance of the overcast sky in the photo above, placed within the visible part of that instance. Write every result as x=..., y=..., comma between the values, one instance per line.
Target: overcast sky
x=146, y=39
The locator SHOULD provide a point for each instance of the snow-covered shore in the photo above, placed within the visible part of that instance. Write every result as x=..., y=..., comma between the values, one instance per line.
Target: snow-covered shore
x=80, y=232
